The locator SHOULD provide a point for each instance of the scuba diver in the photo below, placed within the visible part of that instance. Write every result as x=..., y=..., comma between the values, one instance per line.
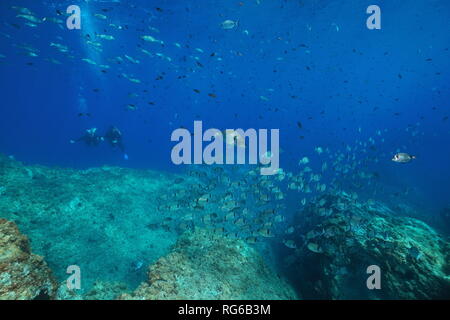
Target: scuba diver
x=114, y=137
x=90, y=138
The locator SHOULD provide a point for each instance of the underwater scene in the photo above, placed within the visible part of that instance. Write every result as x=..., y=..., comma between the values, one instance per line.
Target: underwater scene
x=225, y=150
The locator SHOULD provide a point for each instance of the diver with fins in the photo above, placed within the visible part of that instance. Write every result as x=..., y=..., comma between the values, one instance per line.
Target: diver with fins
x=114, y=137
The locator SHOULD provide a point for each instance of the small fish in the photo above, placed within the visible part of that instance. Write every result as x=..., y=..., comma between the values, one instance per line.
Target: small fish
x=105, y=37
x=251, y=239
x=229, y=24
x=336, y=26
x=314, y=247
x=60, y=47
x=137, y=265
x=100, y=16
x=132, y=60
x=22, y=10
x=290, y=244
x=403, y=157
x=29, y=18
x=146, y=52
x=95, y=44
x=131, y=107
x=89, y=61
x=267, y=233
x=204, y=198
x=151, y=39
x=134, y=80
x=290, y=230
x=304, y=160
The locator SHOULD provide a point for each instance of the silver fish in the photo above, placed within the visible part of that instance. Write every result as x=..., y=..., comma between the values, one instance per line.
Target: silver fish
x=403, y=157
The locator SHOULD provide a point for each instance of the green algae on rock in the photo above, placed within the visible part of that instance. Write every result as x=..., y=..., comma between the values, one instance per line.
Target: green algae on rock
x=23, y=275
x=100, y=290
x=93, y=218
x=203, y=266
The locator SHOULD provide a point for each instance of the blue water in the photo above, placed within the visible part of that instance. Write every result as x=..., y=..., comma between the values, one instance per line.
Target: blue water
x=311, y=61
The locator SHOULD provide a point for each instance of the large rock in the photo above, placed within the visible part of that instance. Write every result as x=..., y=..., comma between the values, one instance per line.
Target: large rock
x=344, y=237
x=108, y=210
x=23, y=275
x=207, y=266
x=101, y=290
